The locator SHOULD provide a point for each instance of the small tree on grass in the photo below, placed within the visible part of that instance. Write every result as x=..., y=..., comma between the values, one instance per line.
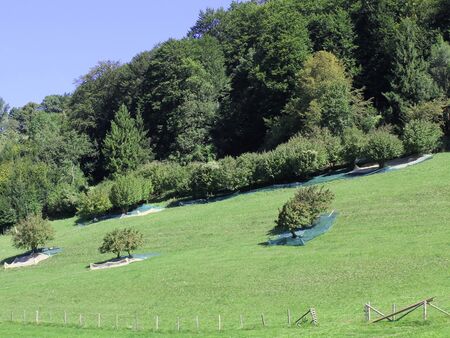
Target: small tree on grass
x=120, y=240
x=32, y=232
x=383, y=146
x=302, y=210
x=126, y=192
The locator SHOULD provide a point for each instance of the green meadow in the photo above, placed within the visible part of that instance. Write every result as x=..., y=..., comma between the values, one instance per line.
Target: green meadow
x=390, y=244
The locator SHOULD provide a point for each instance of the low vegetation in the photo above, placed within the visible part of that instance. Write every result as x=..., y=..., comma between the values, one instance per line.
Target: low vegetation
x=121, y=240
x=304, y=208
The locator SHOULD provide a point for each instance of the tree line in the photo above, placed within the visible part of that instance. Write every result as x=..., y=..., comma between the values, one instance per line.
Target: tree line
x=248, y=81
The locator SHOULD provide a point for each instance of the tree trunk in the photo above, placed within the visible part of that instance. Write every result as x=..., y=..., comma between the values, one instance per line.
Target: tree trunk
x=118, y=255
x=129, y=253
x=294, y=235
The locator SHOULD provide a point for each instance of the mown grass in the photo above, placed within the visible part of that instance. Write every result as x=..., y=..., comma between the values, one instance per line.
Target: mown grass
x=390, y=244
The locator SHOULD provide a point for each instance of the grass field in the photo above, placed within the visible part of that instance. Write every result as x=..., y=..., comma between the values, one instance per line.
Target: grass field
x=390, y=244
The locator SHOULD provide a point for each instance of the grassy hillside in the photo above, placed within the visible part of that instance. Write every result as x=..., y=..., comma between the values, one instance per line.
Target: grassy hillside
x=390, y=244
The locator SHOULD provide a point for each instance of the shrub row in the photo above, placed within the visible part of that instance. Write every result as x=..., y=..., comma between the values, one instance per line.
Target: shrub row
x=299, y=158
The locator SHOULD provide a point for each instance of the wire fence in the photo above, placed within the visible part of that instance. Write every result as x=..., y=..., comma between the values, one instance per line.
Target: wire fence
x=149, y=321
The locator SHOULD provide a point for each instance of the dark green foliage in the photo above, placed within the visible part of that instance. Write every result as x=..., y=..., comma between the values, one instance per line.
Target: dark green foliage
x=382, y=146
x=440, y=65
x=32, y=232
x=120, y=240
x=126, y=145
x=184, y=82
x=62, y=200
x=410, y=81
x=7, y=214
x=420, y=137
x=302, y=210
x=95, y=202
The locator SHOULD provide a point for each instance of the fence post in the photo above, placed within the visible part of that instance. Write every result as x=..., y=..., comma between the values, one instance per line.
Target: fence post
x=394, y=309
x=98, y=320
x=117, y=321
x=424, y=310
x=12, y=315
x=37, y=316
x=178, y=323
x=24, y=316
x=65, y=318
x=81, y=320
x=368, y=311
x=220, y=323
x=289, y=317
x=263, y=320
x=157, y=322
x=197, y=324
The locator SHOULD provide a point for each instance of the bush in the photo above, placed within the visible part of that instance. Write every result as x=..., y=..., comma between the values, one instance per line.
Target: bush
x=232, y=175
x=62, y=200
x=120, y=240
x=420, y=137
x=7, y=214
x=128, y=191
x=302, y=210
x=205, y=180
x=169, y=179
x=354, y=142
x=32, y=232
x=95, y=202
x=382, y=146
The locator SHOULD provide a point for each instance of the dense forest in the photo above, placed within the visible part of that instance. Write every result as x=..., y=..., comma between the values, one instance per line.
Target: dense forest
x=261, y=92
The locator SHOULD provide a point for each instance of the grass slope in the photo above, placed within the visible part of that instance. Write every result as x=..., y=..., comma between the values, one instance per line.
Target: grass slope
x=390, y=244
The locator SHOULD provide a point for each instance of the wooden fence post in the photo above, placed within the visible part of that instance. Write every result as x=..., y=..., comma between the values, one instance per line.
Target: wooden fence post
x=37, y=316
x=12, y=315
x=368, y=311
x=263, y=320
x=242, y=321
x=178, y=323
x=81, y=320
x=117, y=321
x=394, y=309
x=24, y=316
x=65, y=318
x=157, y=322
x=424, y=310
x=220, y=323
x=197, y=324
x=289, y=317
x=98, y=320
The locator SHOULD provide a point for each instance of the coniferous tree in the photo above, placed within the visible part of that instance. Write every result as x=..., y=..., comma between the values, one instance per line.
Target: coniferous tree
x=125, y=145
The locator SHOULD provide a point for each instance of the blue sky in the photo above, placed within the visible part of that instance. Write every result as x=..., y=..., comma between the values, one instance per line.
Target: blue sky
x=47, y=44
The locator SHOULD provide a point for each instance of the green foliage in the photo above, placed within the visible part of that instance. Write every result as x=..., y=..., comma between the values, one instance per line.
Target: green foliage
x=410, y=81
x=169, y=179
x=420, y=137
x=440, y=64
x=354, y=143
x=205, y=180
x=382, y=146
x=128, y=191
x=7, y=214
x=120, y=240
x=31, y=232
x=302, y=210
x=62, y=200
x=95, y=202
x=126, y=144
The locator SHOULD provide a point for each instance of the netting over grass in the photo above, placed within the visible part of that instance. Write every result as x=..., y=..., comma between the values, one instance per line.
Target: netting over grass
x=321, y=225
x=142, y=210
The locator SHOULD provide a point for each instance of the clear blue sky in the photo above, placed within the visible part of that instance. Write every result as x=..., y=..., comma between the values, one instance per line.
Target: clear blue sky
x=47, y=44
